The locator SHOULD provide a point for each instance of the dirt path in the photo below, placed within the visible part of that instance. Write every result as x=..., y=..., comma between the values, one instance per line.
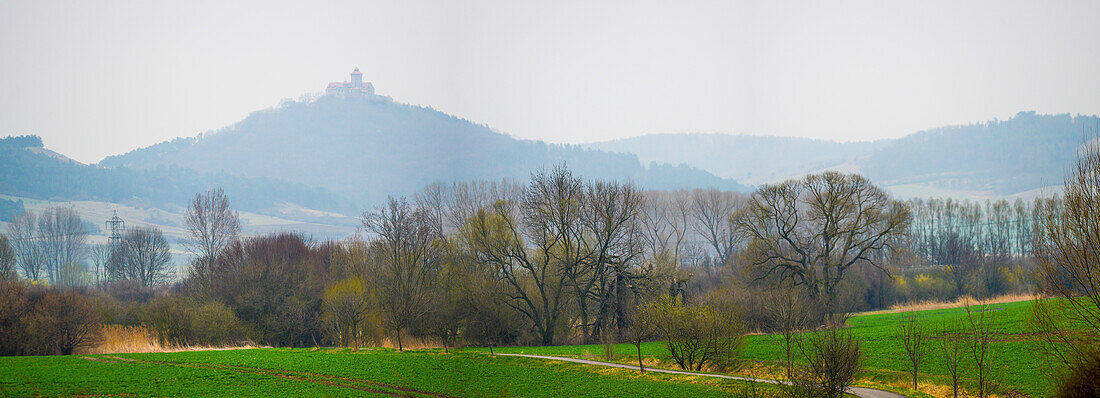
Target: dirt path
x=858, y=391
x=336, y=381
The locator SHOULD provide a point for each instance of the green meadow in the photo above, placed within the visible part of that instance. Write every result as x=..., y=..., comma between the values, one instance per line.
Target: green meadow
x=1019, y=366
x=339, y=372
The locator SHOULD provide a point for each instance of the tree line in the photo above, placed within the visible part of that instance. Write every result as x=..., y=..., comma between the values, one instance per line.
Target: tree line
x=555, y=259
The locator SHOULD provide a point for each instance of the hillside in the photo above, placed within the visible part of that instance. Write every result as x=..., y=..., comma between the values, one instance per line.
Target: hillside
x=745, y=158
x=1025, y=152
x=1021, y=156
x=369, y=148
x=32, y=171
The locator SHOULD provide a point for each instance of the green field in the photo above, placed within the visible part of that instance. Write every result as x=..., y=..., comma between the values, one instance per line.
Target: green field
x=337, y=372
x=1018, y=362
x=1019, y=365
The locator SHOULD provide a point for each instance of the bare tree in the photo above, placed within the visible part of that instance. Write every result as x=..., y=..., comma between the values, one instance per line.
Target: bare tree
x=790, y=313
x=533, y=241
x=143, y=256
x=212, y=225
x=7, y=259
x=833, y=359
x=914, y=337
x=952, y=344
x=1067, y=246
x=981, y=323
x=62, y=235
x=665, y=225
x=711, y=210
x=101, y=259
x=611, y=224
x=642, y=327
x=23, y=234
x=816, y=228
x=409, y=263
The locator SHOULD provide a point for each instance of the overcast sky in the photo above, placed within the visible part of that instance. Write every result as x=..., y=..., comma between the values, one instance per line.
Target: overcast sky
x=99, y=78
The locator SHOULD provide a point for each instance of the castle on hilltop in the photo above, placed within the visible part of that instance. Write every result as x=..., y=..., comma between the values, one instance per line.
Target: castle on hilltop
x=354, y=87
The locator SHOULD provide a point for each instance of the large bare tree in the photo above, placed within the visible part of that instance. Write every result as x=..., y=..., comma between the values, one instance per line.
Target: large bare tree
x=815, y=228
x=534, y=241
x=612, y=229
x=409, y=262
x=212, y=225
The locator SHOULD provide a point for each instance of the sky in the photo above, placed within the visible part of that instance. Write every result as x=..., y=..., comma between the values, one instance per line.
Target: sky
x=97, y=78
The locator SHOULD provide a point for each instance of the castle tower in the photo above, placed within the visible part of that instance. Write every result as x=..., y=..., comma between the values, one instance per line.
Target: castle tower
x=356, y=79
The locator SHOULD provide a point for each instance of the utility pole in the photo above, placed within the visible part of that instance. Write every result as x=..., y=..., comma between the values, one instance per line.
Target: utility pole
x=116, y=226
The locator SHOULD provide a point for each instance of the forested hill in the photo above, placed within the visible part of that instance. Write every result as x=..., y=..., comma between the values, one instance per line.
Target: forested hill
x=998, y=158
x=30, y=170
x=370, y=148
x=745, y=158
x=1022, y=153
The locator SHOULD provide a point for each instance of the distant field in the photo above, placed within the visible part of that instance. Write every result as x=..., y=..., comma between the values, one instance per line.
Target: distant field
x=1018, y=364
x=338, y=372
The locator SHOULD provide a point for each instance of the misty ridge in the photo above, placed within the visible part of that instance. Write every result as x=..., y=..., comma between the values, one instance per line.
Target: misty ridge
x=344, y=154
x=368, y=148
x=996, y=158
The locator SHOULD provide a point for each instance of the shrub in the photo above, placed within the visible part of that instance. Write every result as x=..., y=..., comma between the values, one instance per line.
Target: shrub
x=697, y=335
x=130, y=291
x=36, y=320
x=274, y=284
x=184, y=321
x=833, y=359
x=1083, y=378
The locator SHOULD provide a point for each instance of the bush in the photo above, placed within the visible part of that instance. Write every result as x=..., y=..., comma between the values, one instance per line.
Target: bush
x=36, y=320
x=185, y=321
x=130, y=291
x=833, y=359
x=62, y=322
x=1083, y=378
x=697, y=335
x=273, y=283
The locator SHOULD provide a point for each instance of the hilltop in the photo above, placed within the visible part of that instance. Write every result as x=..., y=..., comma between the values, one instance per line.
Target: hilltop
x=370, y=147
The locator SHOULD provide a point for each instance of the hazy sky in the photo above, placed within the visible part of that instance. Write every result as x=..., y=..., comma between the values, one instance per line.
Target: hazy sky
x=100, y=78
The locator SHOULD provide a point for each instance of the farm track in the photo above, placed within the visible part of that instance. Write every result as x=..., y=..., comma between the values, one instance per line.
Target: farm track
x=335, y=381
x=861, y=392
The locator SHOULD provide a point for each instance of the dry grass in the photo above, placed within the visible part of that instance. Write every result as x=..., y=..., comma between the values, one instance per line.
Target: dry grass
x=116, y=339
x=411, y=343
x=957, y=303
x=933, y=389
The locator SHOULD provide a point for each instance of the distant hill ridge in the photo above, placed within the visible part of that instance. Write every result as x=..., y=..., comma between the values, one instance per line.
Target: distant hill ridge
x=30, y=170
x=996, y=158
x=747, y=158
x=367, y=148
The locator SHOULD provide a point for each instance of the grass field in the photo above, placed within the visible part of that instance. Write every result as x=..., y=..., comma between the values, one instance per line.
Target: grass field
x=1018, y=363
x=1019, y=366
x=337, y=372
